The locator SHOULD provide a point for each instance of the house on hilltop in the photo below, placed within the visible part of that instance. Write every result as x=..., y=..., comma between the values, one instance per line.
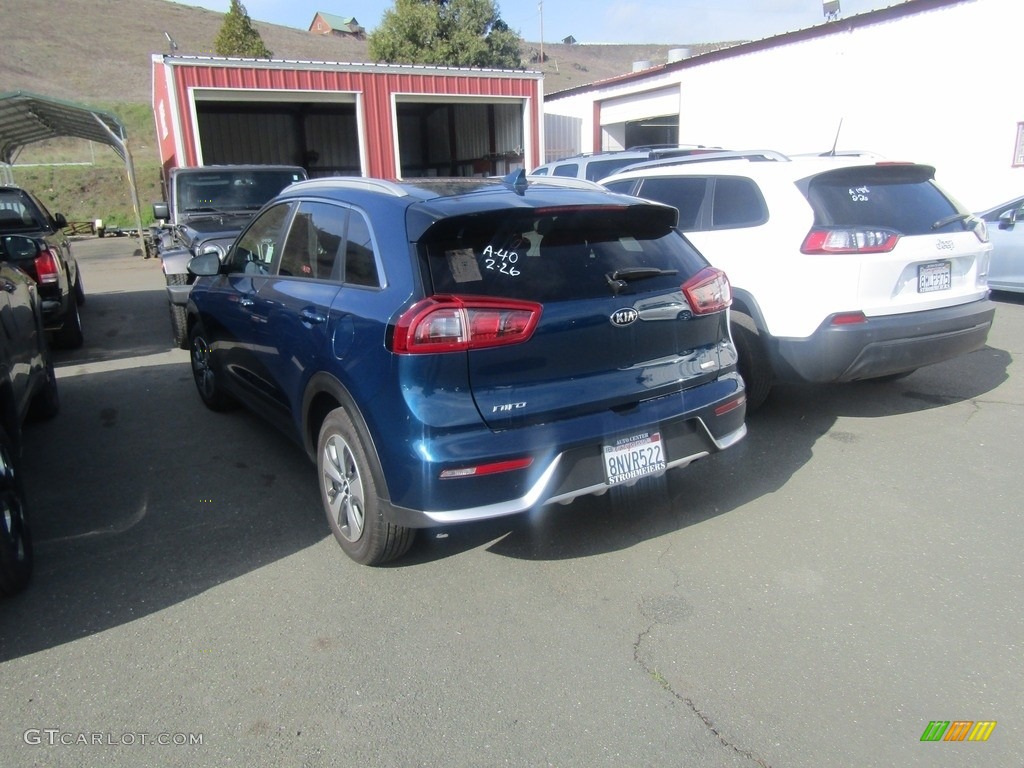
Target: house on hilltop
x=342, y=26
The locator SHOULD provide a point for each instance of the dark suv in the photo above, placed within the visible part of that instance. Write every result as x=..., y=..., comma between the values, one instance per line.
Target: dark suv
x=28, y=386
x=42, y=250
x=450, y=350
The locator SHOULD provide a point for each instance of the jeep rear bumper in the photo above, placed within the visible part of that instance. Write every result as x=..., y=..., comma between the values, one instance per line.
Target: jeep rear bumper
x=882, y=345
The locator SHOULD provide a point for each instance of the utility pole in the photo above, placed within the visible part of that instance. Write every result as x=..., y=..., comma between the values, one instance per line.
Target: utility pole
x=540, y=7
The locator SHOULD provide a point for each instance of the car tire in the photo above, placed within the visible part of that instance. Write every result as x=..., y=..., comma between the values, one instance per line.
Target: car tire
x=179, y=325
x=753, y=362
x=15, y=536
x=70, y=335
x=205, y=373
x=46, y=402
x=79, y=290
x=348, y=492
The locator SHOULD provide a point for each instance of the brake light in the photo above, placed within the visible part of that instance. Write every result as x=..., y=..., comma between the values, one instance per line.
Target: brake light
x=708, y=291
x=850, y=240
x=46, y=267
x=461, y=323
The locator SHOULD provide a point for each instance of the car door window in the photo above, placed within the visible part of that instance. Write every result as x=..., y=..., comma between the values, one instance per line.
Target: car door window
x=314, y=242
x=256, y=251
x=737, y=203
x=360, y=261
x=684, y=193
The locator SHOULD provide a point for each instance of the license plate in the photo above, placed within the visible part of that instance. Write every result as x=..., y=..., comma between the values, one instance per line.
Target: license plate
x=936, y=276
x=634, y=457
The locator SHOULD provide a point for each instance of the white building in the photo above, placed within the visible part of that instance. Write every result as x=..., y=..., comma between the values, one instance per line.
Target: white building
x=934, y=81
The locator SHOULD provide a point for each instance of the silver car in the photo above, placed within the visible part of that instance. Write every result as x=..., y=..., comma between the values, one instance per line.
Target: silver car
x=1006, y=231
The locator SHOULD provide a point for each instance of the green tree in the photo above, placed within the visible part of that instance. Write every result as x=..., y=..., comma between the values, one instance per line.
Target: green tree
x=458, y=33
x=238, y=37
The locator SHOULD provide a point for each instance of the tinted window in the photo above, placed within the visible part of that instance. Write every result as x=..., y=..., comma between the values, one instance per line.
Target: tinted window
x=737, y=203
x=598, y=169
x=542, y=171
x=521, y=254
x=360, y=263
x=16, y=213
x=569, y=169
x=256, y=249
x=685, y=194
x=903, y=199
x=314, y=242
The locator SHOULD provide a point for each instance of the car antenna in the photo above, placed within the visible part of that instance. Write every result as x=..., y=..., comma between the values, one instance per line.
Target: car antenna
x=836, y=142
x=517, y=181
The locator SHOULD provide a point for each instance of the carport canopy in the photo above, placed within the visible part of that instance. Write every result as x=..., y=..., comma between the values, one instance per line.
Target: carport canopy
x=26, y=118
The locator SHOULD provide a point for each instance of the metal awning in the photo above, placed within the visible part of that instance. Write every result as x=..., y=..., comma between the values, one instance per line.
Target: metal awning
x=26, y=118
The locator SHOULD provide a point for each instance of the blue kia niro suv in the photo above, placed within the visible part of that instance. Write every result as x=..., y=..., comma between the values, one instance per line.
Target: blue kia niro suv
x=449, y=350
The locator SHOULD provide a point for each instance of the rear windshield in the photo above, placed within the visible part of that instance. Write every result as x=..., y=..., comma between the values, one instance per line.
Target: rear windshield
x=16, y=215
x=904, y=199
x=569, y=255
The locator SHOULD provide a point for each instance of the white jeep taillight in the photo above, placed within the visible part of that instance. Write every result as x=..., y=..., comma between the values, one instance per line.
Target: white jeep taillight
x=460, y=323
x=849, y=240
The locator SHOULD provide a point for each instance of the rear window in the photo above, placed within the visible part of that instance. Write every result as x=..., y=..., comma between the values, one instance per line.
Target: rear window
x=18, y=215
x=568, y=255
x=598, y=169
x=904, y=199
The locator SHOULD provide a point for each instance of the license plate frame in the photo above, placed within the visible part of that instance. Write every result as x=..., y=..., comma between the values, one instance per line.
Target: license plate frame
x=934, y=276
x=630, y=458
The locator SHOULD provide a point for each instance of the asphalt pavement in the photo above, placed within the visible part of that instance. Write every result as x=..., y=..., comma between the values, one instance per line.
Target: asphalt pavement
x=817, y=596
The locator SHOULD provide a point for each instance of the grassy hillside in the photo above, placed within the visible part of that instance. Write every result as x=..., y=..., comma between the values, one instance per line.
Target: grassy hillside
x=98, y=53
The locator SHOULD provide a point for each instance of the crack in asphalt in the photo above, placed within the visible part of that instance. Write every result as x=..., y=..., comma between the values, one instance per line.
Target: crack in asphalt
x=689, y=703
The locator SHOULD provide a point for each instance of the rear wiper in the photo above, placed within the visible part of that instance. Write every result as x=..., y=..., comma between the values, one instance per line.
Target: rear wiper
x=621, y=277
x=950, y=219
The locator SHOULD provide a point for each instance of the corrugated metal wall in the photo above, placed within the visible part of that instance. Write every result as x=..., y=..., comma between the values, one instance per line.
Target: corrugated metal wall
x=376, y=86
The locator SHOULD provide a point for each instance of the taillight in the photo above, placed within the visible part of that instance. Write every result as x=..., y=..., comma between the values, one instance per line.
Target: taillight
x=848, y=318
x=850, y=240
x=46, y=267
x=460, y=323
x=708, y=291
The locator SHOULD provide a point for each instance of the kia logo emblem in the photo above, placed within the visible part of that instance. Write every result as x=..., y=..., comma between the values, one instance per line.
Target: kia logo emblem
x=623, y=317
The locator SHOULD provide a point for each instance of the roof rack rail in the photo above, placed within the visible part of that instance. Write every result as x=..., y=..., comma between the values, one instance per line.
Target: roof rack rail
x=755, y=156
x=352, y=182
x=569, y=182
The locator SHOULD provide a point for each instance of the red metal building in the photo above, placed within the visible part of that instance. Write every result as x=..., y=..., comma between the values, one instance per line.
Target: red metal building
x=379, y=120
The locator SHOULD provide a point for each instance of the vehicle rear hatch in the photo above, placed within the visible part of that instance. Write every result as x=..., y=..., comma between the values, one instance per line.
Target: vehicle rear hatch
x=605, y=286
x=906, y=244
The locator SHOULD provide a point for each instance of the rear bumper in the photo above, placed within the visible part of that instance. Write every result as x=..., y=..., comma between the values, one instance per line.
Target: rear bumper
x=575, y=469
x=883, y=345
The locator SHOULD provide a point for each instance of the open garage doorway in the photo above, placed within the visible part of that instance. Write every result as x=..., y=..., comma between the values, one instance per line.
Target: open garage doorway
x=462, y=137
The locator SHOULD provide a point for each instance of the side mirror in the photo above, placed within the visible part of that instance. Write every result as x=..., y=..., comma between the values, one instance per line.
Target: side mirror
x=17, y=247
x=205, y=264
x=61, y=220
x=161, y=211
x=1008, y=219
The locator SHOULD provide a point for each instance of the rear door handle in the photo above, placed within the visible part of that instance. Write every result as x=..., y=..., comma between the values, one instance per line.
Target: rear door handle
x=246, y=303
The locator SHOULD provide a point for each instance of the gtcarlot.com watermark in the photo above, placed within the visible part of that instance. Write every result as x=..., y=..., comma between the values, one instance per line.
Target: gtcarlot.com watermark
x=55, y=737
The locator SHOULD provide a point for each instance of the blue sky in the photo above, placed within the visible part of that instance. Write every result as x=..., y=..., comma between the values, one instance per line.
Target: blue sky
x=593, y=21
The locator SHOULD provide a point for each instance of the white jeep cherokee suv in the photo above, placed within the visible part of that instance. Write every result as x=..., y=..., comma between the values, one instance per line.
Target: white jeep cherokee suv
x=843, y=267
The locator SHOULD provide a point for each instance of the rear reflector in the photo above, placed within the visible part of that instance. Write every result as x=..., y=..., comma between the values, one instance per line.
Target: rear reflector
x=851, y=240
x=460, y=323
x=46, y=267
x=708, y=291
x=487, y=469
x=732, y=405
x=848, y=318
